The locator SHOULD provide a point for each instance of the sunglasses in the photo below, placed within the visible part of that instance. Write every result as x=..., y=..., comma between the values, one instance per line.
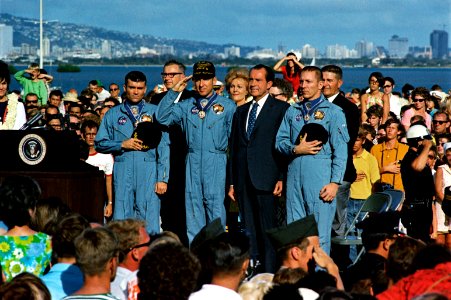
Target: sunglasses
x=146, y=244
x=112, y=90
x=31, y=101
x=387, y=86
x=431, y=156
x=438, y=122
x=418, y=100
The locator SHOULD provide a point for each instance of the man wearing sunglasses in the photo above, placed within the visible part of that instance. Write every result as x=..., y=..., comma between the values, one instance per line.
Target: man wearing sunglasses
x=419, y=97
x=115, y=91
x=440, y=123
x=134, y=242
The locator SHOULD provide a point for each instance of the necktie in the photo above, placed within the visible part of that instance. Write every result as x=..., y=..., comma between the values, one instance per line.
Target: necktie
x=252, y=119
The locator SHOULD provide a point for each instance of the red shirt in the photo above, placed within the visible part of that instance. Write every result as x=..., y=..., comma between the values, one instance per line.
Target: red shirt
x=293, y=80
x=437, y=280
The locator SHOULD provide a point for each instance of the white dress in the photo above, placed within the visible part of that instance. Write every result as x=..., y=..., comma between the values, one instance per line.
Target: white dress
x=443, y=221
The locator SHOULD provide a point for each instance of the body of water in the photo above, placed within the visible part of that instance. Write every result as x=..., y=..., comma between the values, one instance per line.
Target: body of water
x=353, y=77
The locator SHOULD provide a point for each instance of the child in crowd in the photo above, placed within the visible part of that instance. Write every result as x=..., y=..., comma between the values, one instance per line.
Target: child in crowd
x=37, y=83
x=367, y=174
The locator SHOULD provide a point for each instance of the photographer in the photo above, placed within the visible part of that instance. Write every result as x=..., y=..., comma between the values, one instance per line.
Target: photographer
x=418, y=183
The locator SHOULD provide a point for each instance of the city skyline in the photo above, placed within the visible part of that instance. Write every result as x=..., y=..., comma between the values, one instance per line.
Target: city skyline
x=262, y=23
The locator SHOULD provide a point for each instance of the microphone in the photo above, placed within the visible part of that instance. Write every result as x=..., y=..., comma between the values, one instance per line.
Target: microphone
x=30, y=122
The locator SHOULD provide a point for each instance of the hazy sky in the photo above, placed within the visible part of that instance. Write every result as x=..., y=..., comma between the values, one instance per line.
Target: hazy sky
x=265, y=23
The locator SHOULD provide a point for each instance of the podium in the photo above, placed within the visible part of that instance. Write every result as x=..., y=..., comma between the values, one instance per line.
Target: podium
x=52, y=159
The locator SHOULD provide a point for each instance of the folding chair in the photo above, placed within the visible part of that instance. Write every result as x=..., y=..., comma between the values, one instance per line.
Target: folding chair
x=397, y=199
x=376, y=202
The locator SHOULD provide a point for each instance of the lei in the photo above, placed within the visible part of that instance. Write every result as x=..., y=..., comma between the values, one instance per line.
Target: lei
x=11, y=112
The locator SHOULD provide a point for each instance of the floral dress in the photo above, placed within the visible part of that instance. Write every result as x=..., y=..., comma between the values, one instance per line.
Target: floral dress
x=31, y=253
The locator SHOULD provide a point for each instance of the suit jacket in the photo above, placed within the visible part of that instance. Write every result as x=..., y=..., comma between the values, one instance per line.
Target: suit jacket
x=352, y=116
x=257, y=157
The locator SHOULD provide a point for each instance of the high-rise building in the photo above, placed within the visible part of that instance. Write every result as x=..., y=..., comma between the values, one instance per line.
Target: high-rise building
x=6, y=40
x=232, y=51
x=309, y=52
x=164, y=49
x=337, y=51
x=398, y=47
x=106, y=49
x=439, y=44
x=364, y=48
x=46, y=46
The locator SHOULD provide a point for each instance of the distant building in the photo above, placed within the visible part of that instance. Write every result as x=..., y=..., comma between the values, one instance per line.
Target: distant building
x=424, y=52
x=25, y=49
x=364, y=48
x=164, y=49
x=337, y=51
x=46, y=46
x=309, y=52
x=106, y=49
x=232, y=51
x=439, y=44
x=262, y=54
x=398, y=47
x=6, y=40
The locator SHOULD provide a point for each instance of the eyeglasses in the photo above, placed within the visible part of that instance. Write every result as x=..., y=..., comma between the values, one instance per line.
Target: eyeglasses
x=170, y=75
x=387, y=86
x=146, y=244
x=431, y=156
x=417, y=100
x=439, y=122
x=31, y=101
x=276, y=95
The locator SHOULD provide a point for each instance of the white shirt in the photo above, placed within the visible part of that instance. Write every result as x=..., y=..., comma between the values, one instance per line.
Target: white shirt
x=215, y=292
x=260, y=102
x=119, y=287
x=103, y=95
x=104, y=162
x=332, y=98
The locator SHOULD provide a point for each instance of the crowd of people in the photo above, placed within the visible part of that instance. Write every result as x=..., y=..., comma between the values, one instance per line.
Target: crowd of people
x=234, y=190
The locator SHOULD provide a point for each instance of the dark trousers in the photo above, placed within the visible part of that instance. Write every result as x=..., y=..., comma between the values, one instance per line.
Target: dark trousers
x=258, y=213
x=417, y=218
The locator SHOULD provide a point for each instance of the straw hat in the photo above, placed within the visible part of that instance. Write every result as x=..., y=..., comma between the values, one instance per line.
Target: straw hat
x=71, y=97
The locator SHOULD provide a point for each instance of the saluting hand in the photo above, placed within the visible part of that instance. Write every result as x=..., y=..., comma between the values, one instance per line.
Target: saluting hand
x=182, y=84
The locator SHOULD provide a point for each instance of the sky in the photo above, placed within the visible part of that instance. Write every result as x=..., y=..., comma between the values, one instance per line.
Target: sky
x=265, y=23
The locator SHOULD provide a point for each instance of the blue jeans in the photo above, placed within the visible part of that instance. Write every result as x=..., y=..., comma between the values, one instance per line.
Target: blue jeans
x=354, y=205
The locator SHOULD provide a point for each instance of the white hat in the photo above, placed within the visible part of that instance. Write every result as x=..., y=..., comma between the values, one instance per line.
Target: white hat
x=446, y=146
x=418, y=131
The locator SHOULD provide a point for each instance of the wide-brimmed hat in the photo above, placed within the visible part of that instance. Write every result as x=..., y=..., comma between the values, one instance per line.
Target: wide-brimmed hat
x=71, y=97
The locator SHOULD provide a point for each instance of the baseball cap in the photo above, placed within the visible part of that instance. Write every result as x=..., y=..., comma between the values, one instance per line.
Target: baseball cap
x=203, y=70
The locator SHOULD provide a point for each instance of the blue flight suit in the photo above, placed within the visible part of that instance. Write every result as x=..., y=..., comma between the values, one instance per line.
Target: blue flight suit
x=207, y=141
x=308, y=174
x=135, y=173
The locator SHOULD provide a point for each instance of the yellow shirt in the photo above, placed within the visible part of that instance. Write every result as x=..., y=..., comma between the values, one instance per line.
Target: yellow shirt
x=385, y=156
x=367, y=164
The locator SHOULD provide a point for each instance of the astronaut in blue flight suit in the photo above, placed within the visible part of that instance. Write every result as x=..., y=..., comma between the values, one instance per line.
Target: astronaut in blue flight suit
x=206, y=120
x=316, y=170
x=139, y=174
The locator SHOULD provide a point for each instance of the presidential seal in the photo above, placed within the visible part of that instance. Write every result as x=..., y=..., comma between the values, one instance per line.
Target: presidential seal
x=32, y=149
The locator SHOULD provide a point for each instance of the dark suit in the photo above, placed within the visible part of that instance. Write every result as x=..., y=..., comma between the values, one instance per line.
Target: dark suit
x=254, y=169
x=173, y=202
x=352, y=116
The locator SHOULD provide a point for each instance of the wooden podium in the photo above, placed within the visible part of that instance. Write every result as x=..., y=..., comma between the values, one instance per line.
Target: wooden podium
x=52, y=158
